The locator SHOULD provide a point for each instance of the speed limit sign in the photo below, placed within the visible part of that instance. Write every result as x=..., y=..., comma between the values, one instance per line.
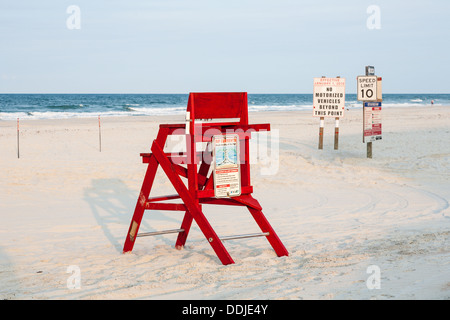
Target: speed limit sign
x=367, y=88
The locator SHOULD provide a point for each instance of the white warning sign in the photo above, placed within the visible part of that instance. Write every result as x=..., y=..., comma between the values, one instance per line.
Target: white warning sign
x=329, y=97
x=367, y=88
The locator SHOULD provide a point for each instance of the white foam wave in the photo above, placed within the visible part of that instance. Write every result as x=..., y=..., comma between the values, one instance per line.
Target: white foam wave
x=157, y=111
x=176, y=110
x=406, y=104
x=131, y=111
x=394, y=105
x=294, y=107
x=57, y=115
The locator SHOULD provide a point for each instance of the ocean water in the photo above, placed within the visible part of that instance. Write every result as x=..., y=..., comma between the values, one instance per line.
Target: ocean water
x=59, y=106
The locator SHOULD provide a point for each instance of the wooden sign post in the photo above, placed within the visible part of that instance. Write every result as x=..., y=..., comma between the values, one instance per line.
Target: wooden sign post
x=336, y=134
x=99, y=135
x=18, y=133
x=329, y=102
x=321, y=125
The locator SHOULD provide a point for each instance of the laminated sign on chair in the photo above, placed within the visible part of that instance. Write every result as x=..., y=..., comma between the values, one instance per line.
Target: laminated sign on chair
x=227, y=183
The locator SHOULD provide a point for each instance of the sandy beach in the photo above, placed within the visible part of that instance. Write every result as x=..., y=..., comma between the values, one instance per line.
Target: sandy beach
x=64, y=203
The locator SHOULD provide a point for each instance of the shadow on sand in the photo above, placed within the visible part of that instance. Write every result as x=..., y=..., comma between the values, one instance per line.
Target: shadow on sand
x=112, y=203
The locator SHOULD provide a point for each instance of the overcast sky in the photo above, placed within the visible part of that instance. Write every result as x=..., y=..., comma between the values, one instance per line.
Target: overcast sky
x=258, y=46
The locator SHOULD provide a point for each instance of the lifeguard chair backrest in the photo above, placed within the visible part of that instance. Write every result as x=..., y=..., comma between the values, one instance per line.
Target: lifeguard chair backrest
x=218, y=105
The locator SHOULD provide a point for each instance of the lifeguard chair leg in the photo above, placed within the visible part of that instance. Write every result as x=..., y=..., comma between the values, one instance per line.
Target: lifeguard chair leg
x=140, y=205
x=187, y=220
x=144, y=194
x=186, y=226
x=256, y=210
x=265, y=226
x=193, y=209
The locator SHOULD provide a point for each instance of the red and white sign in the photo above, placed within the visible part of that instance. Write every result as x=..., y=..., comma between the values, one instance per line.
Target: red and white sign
x=372, y=121
x=227, y=176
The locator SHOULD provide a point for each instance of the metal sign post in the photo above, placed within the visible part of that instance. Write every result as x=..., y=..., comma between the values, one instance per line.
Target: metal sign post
x=369, y=92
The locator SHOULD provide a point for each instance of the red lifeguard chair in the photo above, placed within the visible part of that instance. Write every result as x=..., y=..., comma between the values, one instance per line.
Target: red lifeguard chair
x=200, y=187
